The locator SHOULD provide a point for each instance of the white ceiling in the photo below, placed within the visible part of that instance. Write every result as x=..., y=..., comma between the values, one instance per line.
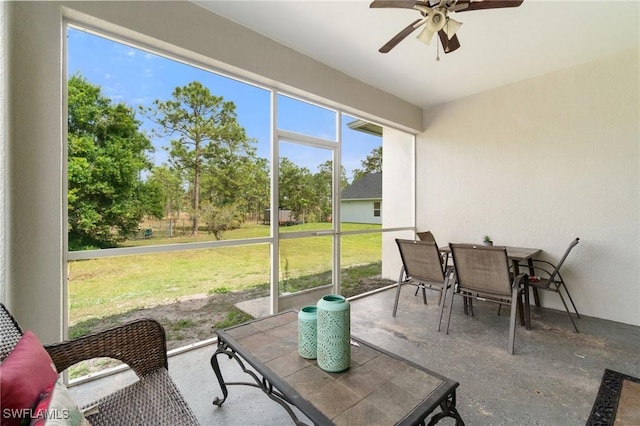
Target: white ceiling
x=498, y=46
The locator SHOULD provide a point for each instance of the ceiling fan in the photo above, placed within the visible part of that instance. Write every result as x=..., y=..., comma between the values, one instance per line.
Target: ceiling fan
x=436, y=20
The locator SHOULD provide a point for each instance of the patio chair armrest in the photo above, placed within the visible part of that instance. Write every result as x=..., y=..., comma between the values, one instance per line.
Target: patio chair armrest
x=448, y=270
x=141, y=344
x=524, y=266
x=545, y=262
x=519, y=280
x=403, y=275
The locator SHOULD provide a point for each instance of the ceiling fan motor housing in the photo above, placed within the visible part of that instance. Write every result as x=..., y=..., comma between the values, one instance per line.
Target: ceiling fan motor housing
x=437, y=19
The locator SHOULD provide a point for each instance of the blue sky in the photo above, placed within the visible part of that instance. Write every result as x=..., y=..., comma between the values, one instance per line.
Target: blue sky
x=137, y=78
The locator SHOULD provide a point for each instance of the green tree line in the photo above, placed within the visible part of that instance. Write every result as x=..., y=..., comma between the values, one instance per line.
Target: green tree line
x=212, y=172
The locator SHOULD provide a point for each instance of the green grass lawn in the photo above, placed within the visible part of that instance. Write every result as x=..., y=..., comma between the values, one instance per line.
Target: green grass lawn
x=108, y=286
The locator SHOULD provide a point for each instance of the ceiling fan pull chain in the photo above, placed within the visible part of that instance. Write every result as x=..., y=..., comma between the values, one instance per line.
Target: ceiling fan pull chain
x=437, y=52
x=445, y=46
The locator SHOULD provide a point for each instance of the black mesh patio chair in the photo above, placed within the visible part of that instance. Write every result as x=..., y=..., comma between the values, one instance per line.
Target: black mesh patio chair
x=482, y=272
x=421, y=266
x=551, y=280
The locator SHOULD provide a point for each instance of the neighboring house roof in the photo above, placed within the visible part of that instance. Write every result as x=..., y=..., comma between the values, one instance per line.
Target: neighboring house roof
x=368, y=186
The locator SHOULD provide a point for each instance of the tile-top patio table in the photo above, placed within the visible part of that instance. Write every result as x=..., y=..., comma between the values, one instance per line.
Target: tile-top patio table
x=378, y=388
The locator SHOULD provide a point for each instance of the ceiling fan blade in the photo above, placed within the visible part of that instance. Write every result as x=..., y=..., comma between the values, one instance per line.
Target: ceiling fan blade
x=400, y=4
x=399, y=37
x=449, y=45
x=467, y=5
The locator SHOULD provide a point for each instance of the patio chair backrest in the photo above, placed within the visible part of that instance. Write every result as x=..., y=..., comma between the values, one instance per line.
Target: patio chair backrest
x=425, y=236
x=10, y=332
x=482, y=269
x=421, y=260
x=564, y=257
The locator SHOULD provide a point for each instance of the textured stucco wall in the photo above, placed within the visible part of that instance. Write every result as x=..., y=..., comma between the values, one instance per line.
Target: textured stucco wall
x=538, y=163
x=398, y=192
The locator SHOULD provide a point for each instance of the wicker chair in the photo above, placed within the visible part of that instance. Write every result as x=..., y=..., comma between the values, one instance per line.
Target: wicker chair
x=152, y=400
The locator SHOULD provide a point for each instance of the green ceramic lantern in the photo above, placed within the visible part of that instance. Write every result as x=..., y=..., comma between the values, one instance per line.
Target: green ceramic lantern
x=307, y=332
x=334, y=333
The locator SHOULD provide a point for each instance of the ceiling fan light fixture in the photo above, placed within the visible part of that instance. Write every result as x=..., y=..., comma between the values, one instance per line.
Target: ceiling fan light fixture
x=451, y=27
x=425, y=35
x=436, y=20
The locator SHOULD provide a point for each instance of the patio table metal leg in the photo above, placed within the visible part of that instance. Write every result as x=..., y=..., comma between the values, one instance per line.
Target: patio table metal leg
x=260, y=383
x=527, y=307
x=448, y=407
x=520, y=307
x=536, y=297
x=424, y=293
x=216, y=369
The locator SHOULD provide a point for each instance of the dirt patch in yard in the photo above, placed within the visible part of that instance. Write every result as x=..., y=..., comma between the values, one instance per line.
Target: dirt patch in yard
x=194, y=318
x=188, y=320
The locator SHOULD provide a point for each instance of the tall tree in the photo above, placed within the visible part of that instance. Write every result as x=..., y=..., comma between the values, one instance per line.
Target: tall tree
x=226, y=180
x=295, y=188
x=106, y=155
x=322, y=183
x=371, y=164
x=257, y=187
x=169, y=187
x=206, y=130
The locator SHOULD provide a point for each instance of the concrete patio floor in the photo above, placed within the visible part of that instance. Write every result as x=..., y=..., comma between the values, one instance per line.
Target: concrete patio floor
x=552, y=379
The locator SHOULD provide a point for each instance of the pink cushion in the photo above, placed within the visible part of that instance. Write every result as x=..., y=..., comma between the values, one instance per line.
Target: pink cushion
x=24, y=375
